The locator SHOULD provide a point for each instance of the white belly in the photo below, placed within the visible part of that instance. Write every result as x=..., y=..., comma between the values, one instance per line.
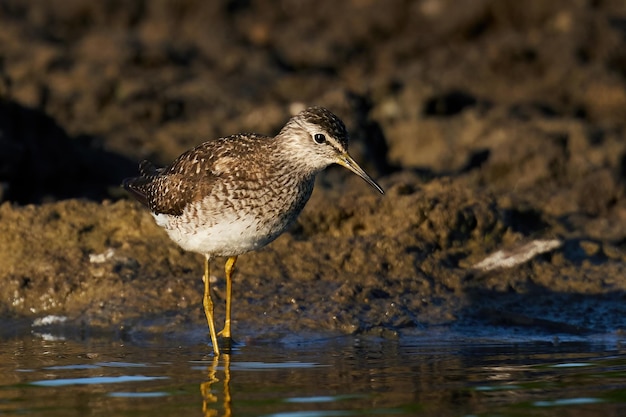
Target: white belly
x=230, y=227
x=229, y=237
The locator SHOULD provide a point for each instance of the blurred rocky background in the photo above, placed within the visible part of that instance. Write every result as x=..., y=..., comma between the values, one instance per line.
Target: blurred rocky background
x=491, y=124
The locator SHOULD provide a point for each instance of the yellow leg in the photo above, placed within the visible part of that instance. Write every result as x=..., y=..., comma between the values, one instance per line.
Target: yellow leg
x=208, y=305
x=210, y=399
x=228, y=268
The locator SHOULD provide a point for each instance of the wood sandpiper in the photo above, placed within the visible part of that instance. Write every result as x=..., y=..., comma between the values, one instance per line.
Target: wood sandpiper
x=236, y=194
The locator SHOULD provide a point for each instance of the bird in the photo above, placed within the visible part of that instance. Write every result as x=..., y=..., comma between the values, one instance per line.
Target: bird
x=236, y=194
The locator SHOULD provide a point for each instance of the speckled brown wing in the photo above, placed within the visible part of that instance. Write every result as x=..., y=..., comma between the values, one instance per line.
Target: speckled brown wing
x=139, y=187
x=167, y=190
x=162, y=193
x=192, y=175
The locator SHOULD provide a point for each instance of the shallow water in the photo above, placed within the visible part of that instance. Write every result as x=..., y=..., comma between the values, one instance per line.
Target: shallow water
x=312, y=377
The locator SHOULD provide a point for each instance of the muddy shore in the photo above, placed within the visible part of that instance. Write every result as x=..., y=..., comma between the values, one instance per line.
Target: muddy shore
x=495, y=126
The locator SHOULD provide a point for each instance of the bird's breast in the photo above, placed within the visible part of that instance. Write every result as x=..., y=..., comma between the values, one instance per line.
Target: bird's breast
x=237, y=218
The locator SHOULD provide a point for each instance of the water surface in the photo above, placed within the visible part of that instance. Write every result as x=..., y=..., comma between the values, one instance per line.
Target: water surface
x=341, y=376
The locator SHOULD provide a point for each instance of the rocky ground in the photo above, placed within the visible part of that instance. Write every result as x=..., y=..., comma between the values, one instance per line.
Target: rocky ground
x=492, y=125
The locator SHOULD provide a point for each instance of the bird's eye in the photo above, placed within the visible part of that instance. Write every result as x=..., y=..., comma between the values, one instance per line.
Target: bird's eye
x=319, y=138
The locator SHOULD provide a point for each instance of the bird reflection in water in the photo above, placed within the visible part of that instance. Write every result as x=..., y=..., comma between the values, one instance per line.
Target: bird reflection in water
x=210, y=394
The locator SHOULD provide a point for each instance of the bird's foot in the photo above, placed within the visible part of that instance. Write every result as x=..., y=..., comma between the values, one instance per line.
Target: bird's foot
x=226, y=343
x=224, y=333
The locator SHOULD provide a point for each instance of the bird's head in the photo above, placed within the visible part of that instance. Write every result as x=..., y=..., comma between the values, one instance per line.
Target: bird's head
x=320, y=139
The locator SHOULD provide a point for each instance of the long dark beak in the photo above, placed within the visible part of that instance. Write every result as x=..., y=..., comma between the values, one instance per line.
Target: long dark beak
x=346, y=160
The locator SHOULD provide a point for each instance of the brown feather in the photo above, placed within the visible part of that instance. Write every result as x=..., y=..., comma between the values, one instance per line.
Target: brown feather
x=192, y=175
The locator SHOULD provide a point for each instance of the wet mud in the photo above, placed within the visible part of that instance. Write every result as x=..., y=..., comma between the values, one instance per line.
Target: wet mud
x=496, y=129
